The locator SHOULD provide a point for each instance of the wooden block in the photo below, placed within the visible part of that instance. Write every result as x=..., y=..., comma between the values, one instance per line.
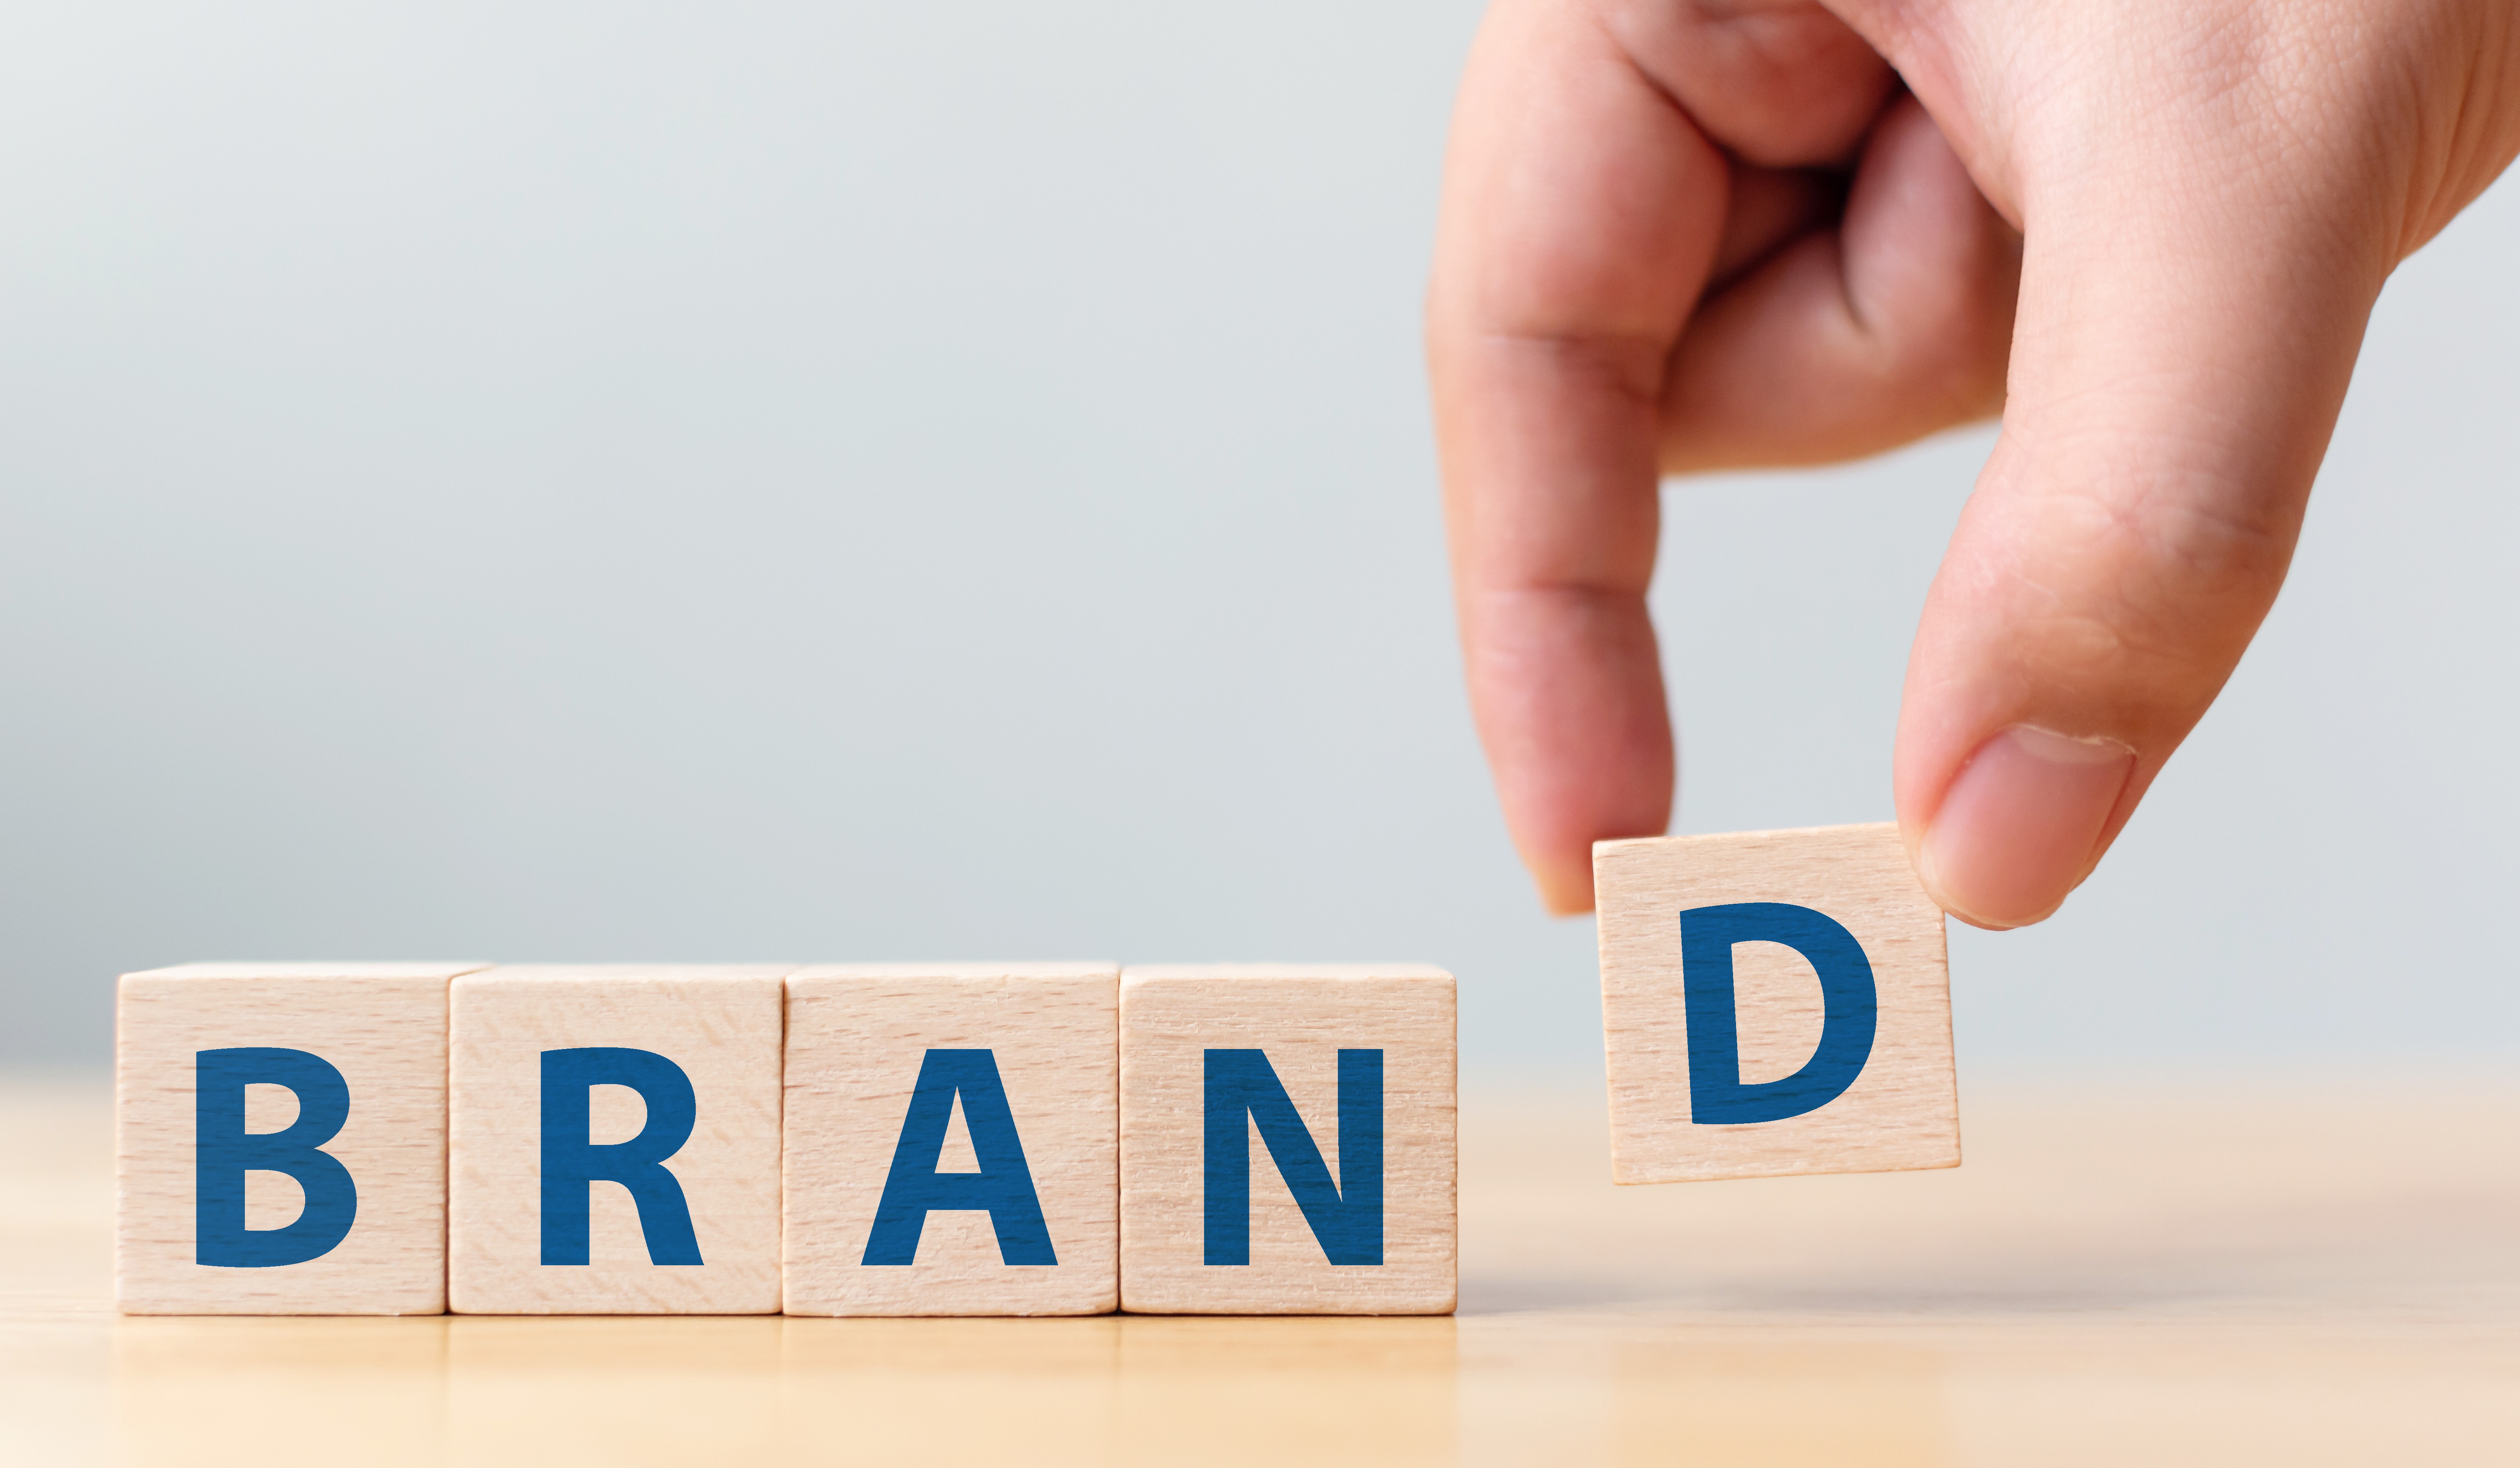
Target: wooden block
x=1774, y=1002
x=1244, y=1089
x=953, y=1142
x=616, y=1139
x=280, y=1139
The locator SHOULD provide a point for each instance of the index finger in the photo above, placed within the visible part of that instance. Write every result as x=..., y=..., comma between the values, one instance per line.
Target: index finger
x=1583, y=210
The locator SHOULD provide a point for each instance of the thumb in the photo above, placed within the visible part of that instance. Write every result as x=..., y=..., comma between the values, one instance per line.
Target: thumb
x=2177, y=364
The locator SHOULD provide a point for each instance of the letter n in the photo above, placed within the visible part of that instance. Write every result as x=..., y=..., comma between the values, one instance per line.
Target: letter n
x=1346, y=1219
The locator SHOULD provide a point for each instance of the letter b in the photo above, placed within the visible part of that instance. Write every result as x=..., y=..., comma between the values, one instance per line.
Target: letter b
x=223, y=1152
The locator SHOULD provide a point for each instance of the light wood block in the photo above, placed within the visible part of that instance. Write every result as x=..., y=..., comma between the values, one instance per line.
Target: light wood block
x=330, y=1199
x=999, y=1081
x=1188, y=1042
x=1795, y=1091
x=697, y=1120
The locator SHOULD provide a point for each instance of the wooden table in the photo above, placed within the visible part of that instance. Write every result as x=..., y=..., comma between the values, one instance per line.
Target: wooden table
x=2319, y=1269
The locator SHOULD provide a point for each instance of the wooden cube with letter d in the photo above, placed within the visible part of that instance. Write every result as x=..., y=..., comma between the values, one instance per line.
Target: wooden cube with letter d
x=1286, y=1139
x=1774, y=1002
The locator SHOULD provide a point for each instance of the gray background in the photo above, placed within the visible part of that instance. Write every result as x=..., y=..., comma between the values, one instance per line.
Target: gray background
x=850, y=481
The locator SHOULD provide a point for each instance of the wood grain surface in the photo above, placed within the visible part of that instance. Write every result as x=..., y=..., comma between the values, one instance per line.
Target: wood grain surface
x=1903, y=1109
x=721, y=1024
x=857, y=1034
x=1302, y=1016
x=2311, y=1268
x=383, y=1027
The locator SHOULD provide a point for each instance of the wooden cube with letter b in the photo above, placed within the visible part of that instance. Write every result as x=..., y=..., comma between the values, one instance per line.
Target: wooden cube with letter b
x=953, y=1139
x=1286, y=1140
x=614, y=1139
x=1774, y=1002
x=280, y=1139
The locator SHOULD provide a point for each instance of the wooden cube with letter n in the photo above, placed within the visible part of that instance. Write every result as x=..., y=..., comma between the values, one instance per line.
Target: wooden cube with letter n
x=1774, y=1002
x=1286, y=1139
x=614, y=1136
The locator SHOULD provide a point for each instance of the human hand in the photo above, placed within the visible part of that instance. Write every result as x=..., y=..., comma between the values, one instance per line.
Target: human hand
x=1654, y=259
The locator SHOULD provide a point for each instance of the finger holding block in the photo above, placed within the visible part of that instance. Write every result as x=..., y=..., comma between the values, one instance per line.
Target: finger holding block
x=953, y=1139
x=1288, y=1140
x=1774, y=1002
x=614, y=1136
x=280, y=1139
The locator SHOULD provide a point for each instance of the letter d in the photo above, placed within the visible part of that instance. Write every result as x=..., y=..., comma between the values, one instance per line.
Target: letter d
x=1848, y=1005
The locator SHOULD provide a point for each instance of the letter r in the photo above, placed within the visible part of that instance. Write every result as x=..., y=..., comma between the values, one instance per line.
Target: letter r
x=571, y=1162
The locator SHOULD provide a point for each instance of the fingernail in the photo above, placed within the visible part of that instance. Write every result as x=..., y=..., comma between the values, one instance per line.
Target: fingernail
x=2020, y=823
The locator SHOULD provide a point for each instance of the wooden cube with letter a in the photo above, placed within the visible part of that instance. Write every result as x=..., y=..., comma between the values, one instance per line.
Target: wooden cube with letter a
x=1286, y=1140
x=953, y=1140
x=1774, y=1002
x=614, y=1136
x=280, y=1139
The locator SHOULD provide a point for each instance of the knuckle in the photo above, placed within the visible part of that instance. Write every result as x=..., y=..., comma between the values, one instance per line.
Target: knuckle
x=2161, y=578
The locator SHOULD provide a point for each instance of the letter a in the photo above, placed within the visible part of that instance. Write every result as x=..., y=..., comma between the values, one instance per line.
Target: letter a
x=1002, y=1187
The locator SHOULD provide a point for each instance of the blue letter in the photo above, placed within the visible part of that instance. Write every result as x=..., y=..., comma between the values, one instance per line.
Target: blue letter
x=223, y=1152
x=1346, y=1220
x=914, y=1188
x=1707, y=934
x=570, y=1162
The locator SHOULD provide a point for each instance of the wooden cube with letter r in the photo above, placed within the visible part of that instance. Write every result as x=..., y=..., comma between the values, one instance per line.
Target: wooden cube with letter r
x=1288, y=1139
x=613, y=1132
x=1774, y=1002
